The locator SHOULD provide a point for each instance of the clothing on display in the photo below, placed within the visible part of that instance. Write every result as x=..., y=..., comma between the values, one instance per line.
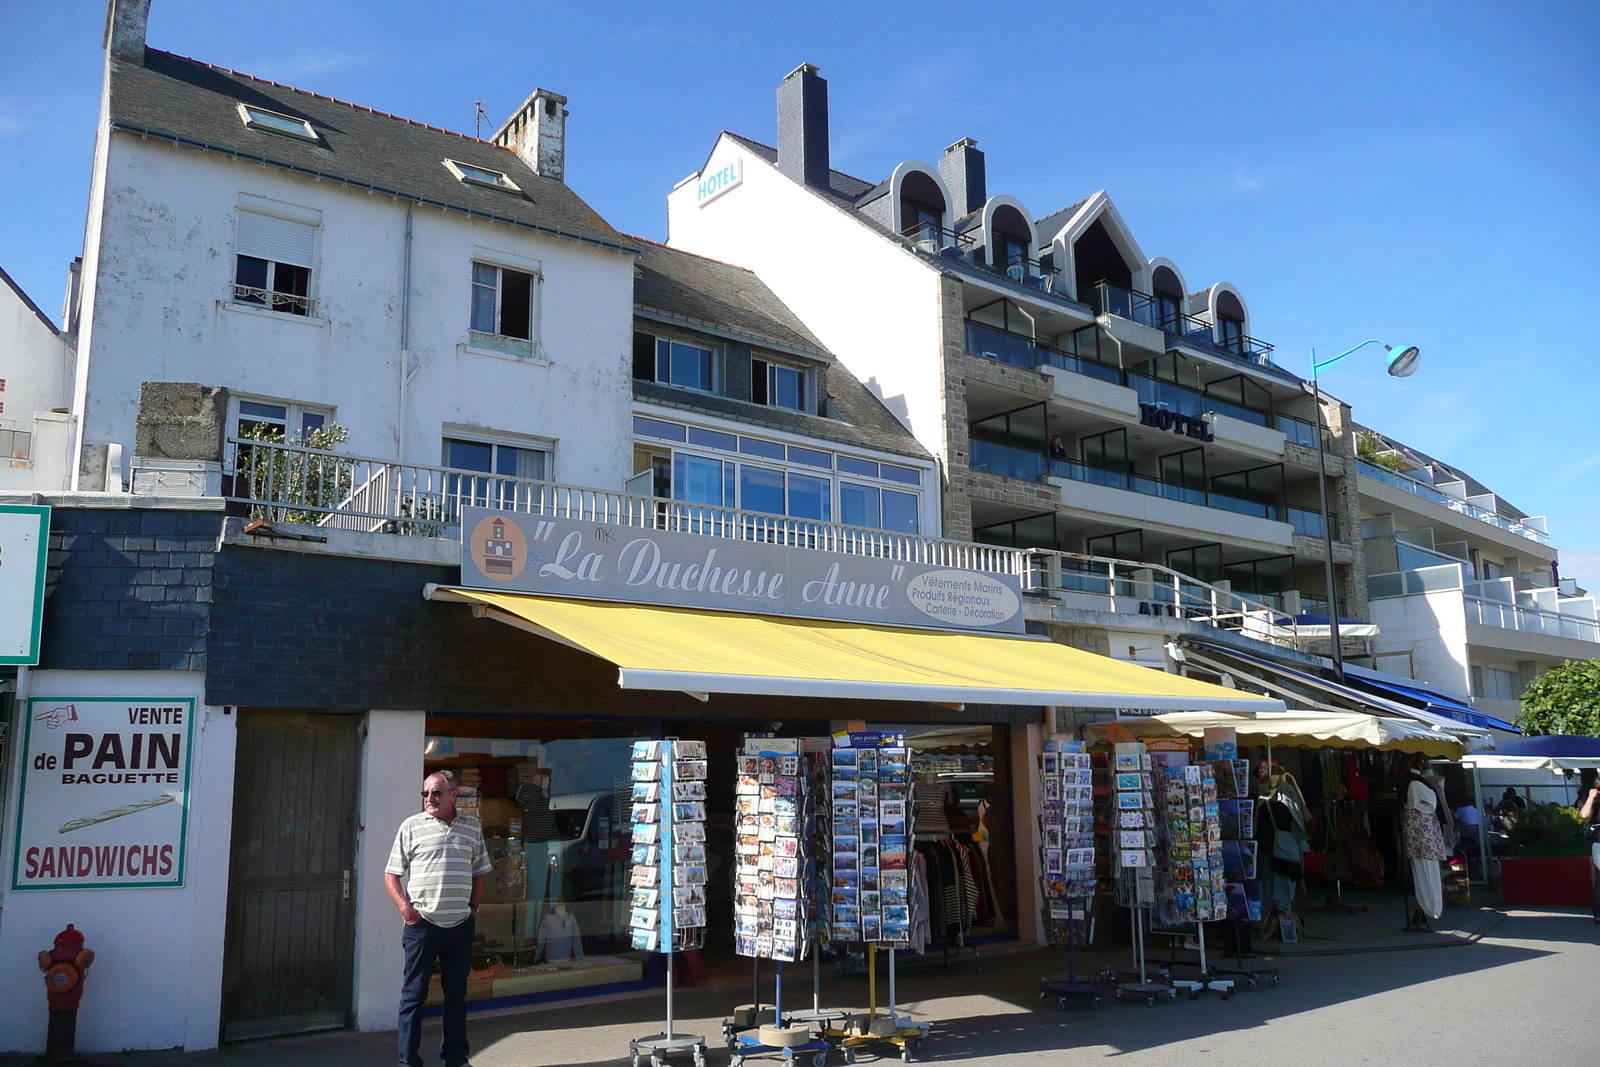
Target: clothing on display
x=1424, y=845
x=559, y=936
x=776, y=871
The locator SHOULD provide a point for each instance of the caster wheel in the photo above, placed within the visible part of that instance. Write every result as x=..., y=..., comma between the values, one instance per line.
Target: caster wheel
x=1150, y=1002
x=1097, y=1002
x=1274, y=981
x=1042, y=996
x=819, y=1060
x=1194, y=994
x=635, y=1059
x=1226, y=995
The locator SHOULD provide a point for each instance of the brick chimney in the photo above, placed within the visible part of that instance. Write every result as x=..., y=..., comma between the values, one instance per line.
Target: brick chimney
x=126, y=24
x=537, y=132
x=962, y=169
x=803, y=127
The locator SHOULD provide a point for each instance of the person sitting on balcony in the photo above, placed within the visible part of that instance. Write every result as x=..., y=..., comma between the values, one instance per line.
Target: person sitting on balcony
x=1058, y=448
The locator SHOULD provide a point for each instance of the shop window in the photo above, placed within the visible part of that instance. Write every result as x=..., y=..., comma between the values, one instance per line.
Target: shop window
x=553, y=797
x=961, y=792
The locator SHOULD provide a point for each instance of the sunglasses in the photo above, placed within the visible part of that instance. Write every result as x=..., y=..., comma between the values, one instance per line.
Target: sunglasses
x=426, y=793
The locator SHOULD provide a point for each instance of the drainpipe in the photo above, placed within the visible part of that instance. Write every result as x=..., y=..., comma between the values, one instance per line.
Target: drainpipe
x=405, y=342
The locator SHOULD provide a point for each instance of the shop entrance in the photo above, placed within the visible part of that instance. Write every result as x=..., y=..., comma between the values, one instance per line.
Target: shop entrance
x=291, y=900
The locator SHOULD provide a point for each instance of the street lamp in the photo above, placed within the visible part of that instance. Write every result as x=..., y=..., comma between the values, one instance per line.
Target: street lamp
x=1402, y=363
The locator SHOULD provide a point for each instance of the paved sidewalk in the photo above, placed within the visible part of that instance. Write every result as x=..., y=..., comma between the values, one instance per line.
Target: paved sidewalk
x=1521, y=994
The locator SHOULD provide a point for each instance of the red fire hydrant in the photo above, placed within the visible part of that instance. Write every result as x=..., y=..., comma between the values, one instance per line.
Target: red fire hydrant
x=64, y=967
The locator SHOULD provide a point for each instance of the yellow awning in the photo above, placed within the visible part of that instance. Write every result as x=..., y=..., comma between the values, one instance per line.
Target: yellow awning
x=698, y=651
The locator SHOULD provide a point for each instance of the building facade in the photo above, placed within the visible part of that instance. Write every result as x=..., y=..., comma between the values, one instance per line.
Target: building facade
x=1079, y=395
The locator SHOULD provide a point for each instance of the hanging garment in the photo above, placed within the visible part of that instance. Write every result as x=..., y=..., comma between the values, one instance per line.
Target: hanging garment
x=1424, y=846
x=929, y=801
x=559, y=938
x=538, y=821
x=919, y=902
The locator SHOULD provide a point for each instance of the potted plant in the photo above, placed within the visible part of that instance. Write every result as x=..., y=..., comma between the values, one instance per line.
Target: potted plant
x=1550, y=863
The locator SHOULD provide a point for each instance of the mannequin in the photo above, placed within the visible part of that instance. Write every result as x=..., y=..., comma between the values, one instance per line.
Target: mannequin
x=1423, y=843
x=930, y=797
x=559, y=937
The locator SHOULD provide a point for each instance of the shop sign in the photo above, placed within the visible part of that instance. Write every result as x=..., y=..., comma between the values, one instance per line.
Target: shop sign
x=513, y=552
x=1183, y=425
x=105, y=793
x=24, y=538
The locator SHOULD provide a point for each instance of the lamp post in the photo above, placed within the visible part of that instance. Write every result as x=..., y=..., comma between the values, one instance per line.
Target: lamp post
x=1402, y=363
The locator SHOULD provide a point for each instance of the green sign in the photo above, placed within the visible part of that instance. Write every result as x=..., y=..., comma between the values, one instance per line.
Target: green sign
x=24, y=539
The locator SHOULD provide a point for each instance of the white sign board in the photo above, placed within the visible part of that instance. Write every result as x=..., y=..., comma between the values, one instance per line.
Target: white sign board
x=517, y=552
x=105, y=793
x=712, y=184
x=24, y=537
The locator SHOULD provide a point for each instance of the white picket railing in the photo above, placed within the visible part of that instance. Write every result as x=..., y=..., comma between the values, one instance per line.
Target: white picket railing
x=289, y=483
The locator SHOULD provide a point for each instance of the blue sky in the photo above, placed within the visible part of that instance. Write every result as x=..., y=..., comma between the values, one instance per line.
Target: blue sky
x=1424, y=173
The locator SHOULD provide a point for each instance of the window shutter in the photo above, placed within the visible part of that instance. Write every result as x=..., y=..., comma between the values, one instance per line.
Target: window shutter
x=280, y=240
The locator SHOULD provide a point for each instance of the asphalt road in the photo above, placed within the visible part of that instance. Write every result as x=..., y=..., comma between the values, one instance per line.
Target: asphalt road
x=1525, y=995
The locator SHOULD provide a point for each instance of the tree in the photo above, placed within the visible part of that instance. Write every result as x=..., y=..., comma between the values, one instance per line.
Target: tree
x=1563, y=700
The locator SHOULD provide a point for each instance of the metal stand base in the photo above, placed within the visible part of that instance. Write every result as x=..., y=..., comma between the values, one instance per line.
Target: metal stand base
x=1147, y=992
x=816, y=1052
x=1062, y=986
x=659, y=1046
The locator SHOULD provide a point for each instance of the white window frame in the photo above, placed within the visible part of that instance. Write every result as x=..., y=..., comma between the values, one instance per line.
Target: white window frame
x=287, y=125
x=295, y=412
x=497, y=344
x=279, y=209
x=717, y=351
x=807, y=382
x=478, y=436
x=482, y=177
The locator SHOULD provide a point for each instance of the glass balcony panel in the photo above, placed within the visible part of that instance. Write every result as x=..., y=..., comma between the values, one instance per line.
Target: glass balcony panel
x=1007, y=461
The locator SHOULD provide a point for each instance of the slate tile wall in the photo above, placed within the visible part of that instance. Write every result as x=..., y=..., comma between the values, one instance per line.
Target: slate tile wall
x=128, y=589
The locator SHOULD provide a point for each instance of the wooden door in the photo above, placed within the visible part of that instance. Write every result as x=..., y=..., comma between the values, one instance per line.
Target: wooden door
x=290, y=950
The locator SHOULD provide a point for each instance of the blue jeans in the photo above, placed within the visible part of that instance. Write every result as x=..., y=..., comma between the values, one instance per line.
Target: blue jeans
x=451, y=946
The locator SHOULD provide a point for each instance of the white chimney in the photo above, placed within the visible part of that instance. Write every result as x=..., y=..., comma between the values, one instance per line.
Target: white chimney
x=126, y=24
x=537, y=132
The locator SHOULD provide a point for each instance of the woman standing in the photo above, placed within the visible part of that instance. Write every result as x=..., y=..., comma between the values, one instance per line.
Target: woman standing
x=1590, y=813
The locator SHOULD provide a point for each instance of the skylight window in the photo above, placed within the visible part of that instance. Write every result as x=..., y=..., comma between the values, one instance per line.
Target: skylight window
x=493, y=179
x=260, y=119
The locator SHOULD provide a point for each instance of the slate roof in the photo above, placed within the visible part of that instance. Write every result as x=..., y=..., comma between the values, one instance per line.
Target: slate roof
x=1053, y=222
x=195, y=104
x=716, y=293
x=27, y=301
x=845, y=186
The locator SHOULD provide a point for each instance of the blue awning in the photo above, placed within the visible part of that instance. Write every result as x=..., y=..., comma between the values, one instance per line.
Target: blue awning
x=1435, y=702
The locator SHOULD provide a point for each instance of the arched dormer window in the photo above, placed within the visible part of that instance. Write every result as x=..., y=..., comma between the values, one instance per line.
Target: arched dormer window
x=1166, y=291
x=1231, y=322
x=1010, y=239
x=922, y=206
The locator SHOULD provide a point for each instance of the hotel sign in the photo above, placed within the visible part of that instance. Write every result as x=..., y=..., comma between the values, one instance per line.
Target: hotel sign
x=1183, y=425
x=712, y=184
x=512, y=552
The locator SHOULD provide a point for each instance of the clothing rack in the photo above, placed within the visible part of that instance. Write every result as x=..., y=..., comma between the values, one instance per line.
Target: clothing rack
x=950, y=947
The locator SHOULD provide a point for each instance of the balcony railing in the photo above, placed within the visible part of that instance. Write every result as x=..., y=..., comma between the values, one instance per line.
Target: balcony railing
x=1428, y=492
x=271, y=298
x=283, y=483
x=1019, y=351
x=1185, y=401
x=1299, y=431
x=1109, y=299
x=1306, y=522
x=1530, y=620
x=289, y=483
x=1009, y=461
x=1411, y=583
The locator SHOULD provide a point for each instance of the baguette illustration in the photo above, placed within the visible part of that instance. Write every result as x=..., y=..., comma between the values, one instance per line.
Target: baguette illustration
x=117, y=813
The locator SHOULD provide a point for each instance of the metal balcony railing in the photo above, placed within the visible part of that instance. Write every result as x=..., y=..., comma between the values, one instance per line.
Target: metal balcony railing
x=1108, y=299
x=1428, y=492
x=288, y=303
x=283, y=483
x=1530, y=620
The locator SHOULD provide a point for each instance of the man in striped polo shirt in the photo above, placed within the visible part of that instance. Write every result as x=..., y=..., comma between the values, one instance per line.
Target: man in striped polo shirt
x=441, y=856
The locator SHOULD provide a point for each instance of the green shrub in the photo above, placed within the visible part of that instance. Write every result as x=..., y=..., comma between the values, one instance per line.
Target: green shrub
x=1548, y=830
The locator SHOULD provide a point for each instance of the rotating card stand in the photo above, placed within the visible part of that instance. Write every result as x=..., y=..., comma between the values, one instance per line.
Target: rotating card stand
x=813, y=1051
x=1223, y=980
x=904, y=1033
x=1141, y=987
x=1062, y=986
x=659, y=1046
x=817, y=1013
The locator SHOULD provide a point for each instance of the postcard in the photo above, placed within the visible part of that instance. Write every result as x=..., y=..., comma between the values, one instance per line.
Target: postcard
x=682, y=750
x=844, y=813
x=689, y=853
x=1125, y=801
x=1049, y=764
x=688, y=790
x=788, y=846
x=647, y=750
x=690, y=874
x=1052, y=789
x=646, y=813
x=646, y=898
x=648, y=792
x=691, y=812
x=645, y=918
x=644, y=832
x=787, y=867
x=689, y=770
x=844, y=757
x=1052, y=837
x=645, y=853
x=846, y=861
x=647, y=772
x=892, y=861
x=897, y=913
x=788, y=888
x=689, y=916
x=690, y=833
